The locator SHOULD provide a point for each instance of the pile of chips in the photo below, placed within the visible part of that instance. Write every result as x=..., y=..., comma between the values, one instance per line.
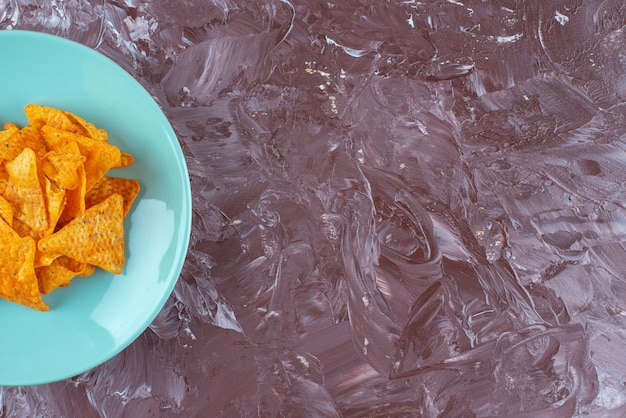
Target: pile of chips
x=61, y=216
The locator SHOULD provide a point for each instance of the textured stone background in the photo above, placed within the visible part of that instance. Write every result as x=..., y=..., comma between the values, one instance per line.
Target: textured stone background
x=401, y=208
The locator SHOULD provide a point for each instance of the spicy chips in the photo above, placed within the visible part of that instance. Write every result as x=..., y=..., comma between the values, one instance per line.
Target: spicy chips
x=61, y=216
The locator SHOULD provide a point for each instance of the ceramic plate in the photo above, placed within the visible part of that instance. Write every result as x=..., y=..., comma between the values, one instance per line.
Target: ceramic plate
x=96, y=317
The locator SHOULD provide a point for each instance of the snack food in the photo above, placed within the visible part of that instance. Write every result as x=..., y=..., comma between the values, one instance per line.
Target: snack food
x=61, y=215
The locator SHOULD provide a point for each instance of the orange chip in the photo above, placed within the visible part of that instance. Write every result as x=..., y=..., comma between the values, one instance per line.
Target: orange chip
x=8, y=131
x=95, y=237
x=53, y=276
x=4, y=178
x=59, y=273
x=39, y=116
x=127, y=188
x=24, y=230
x=88, y=271
x=24, y=193
x=7, y=234
x=55, y=204
x=61, y=165
x=126, y=160
x=11, y=146
x=18, y=282
x=31, y=138
x=75, y=199
x=55, y=201
x=92, y=131
x=54, y=137
x=6, y=211
x=9, y=125
x=100, y=156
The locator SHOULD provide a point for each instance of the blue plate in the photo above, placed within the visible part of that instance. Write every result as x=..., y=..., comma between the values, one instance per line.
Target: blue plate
x=96, y=317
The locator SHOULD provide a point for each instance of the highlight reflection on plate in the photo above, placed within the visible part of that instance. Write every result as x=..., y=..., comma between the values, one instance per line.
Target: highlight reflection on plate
x=96, y=317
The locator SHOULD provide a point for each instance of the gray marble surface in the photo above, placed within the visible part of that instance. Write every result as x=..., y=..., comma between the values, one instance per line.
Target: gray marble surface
x=401, y=208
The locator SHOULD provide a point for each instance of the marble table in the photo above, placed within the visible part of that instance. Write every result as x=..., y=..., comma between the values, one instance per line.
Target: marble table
x=400, y=208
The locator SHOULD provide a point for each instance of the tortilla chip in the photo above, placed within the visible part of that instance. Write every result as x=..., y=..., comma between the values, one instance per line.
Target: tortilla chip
x=7, y=126
x=9, y=143
x=88, y=271
x=39, y=116
x=55, y=204
x=126, y=160
x=24, y=192
x=11, y=146
x=100, y=156
x=7, y=234
x=18, y=282
x=31, y=138
x=4, y=178
x=75, y=199
x=92, y=130
x=6, y=211
x=95, y=237
x=59, y=273
x=127, y=188
x=61, y=165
